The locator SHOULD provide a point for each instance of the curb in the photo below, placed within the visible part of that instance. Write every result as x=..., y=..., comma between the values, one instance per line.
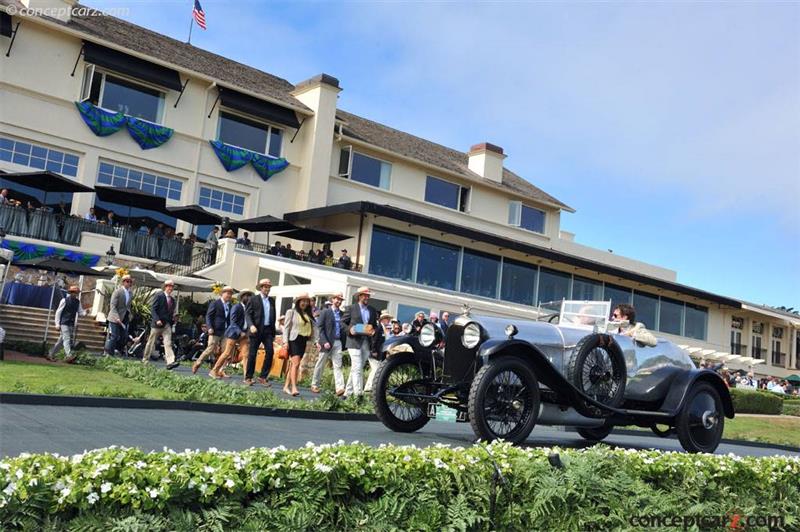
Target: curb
x=157, y=404
x=743, y=443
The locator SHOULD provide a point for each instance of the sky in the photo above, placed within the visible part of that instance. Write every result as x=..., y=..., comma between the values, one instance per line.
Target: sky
x=672, y=128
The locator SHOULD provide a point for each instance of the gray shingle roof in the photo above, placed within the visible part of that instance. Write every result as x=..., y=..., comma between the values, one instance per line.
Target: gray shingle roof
x=435, y=154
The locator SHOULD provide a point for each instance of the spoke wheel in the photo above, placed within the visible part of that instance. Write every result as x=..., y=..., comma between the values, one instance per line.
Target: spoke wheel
x=597, y=368
x=702, y=420
x=504, y=400
x=395, y=374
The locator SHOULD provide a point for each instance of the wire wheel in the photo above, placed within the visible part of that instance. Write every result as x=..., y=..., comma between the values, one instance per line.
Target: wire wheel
x=597, y=368
x=504, y=400
x=597, y=376
x=399, y=374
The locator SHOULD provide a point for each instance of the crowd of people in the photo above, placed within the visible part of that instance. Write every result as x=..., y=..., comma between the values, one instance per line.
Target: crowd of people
x=323, y=256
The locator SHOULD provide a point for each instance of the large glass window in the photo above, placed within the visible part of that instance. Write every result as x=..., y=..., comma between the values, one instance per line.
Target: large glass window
x=695, y=321
x=526, y=217
x=119, y=176
x=364, y=169
x=553, y=285
x=586, y=289
x=131, y=99
x=479, y=272
x=249, y=134
x=671, y=316
x=405, y=313
x=446, y=194
x=438, y=264
x=518, y=282
x=220, y=200
x=392, y=254
x=617, y=295
x=646, y=309
x=38, y=156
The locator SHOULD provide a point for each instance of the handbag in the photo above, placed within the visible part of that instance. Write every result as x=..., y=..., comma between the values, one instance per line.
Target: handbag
x=283, y=352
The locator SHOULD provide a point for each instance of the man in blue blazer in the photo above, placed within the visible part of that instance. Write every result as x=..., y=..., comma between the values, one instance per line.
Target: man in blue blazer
x=163, y=314
x=217, y=320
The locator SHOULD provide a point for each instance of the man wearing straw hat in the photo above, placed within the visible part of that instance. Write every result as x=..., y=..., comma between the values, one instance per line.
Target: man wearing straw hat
x=119, y=314
x=331, y=332
x=235, y=336
x=163, y=315
x=261, y=313
x=66, y=318
x=361, y=322
x=217, y=320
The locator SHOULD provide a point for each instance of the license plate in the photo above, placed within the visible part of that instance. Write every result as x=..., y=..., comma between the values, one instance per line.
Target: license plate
x=445, y=413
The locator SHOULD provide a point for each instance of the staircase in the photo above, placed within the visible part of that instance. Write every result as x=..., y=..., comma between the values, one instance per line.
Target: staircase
x=198, y=261
x=28, y=324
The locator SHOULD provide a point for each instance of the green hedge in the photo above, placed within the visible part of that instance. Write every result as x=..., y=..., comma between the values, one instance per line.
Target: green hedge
x=791, y=409
x=756, y=402
x=357, y=487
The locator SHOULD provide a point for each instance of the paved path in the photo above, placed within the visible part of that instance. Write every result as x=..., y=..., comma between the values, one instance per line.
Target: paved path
x=69, y=430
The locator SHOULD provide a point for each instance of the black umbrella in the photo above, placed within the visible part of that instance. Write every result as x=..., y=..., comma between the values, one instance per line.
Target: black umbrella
x=57, y=265
x=132, y=197
x=47, y=181
x=266, y=223
x=195, y=215
x=311, y=234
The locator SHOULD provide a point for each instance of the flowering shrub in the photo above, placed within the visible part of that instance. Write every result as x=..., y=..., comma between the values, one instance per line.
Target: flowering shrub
x=355, y=487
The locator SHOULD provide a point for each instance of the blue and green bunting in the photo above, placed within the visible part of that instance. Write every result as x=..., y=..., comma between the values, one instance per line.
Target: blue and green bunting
x=102, y=123
x=147, y=134
x=234, y=158
x=24, y=251
x=267, y=167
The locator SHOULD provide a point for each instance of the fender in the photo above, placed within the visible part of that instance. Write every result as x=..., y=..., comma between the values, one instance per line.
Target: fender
x=683, y=382
x=408, y=339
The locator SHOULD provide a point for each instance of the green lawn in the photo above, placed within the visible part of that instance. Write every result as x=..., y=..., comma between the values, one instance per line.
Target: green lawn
x=73, y=380
x=776, y=429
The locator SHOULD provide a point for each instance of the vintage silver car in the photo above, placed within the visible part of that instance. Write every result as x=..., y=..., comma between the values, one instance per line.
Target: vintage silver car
x=571, y=367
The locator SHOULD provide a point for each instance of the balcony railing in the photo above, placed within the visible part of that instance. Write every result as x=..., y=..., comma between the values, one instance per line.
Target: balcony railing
x=759, y=352
x=50, y=227
x=738, y=349
x=778, y=359
x=267, y=250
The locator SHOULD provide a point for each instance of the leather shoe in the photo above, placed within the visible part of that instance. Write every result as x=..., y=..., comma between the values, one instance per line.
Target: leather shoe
x=195, y=367
x=173, y=365
x=340, y=392
x=315, y=389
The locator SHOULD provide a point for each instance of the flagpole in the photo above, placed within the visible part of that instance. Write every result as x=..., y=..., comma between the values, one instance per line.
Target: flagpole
x=191, y=25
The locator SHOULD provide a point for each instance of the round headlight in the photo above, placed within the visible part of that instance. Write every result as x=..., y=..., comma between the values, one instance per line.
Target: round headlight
x=511, y=330
x=472, y=335
x=427, y=335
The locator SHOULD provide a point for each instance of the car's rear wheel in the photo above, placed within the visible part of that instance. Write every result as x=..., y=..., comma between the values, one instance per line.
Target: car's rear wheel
x=702, y=420
x=597, y=368
x=504, y=400
x=398, y=414
x=595, y=433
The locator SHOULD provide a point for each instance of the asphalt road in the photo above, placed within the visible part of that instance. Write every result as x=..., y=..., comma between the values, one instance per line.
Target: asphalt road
x=69, y=430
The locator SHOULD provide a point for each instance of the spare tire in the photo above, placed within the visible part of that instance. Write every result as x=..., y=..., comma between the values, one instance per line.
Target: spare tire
x=597, y=368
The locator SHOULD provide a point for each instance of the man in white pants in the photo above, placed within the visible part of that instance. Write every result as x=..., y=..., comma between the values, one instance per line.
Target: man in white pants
x=330, y=344
x=361, y=322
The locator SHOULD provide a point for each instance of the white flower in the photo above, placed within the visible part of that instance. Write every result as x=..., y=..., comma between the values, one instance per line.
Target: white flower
x=134, y=490
x=439, y=464
x=140, y=465
x=229, y=483
x=105, y=487
x=323, y=468
x=19, y=473
x=406, y=458
x=65, y=492
x=209, y=469
x=192, y=483
x=92, y=497
x=310, y=445
x=10, y=488
x=212, y=449
x=4, y=466
x=152, y=492
x=33, y=482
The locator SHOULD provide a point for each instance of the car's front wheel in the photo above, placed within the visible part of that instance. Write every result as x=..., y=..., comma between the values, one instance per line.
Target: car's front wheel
x=395, y=376
x=595, y=433
x=702, y=420
x=504, y=400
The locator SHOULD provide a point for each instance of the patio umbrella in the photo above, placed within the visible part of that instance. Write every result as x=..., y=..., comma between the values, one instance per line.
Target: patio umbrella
x=57, y=265
x=266, y=223
x=131, y=198
x=311, y=234
x=195, y=215
x=151, y=279
x=794, y=379
x=47, y=181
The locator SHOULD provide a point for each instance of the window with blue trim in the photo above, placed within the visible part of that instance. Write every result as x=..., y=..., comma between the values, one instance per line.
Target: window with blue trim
x=119, y=176
x=220, y=200
x=37, y=156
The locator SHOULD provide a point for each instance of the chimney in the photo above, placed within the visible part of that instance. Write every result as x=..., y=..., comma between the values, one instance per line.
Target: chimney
x=486, y=160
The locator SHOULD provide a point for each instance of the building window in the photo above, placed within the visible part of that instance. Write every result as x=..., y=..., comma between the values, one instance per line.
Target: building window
x=220, y=200
x=479, y=273
x=437, y=264
x=778, y=358
x=526, y=217
x=446, y=194
x=249, y=134
x=364, y=169
x=758, y=352
x=38, y=156
x=617, y=295
x=119, y=176
x=671, y=316
x=518, y=283
x=587, y=289
x=736, y=342
x=392, y=254
x=121, y=95
x=695, y=321
x=406, y=313
x=646, y=309
x=553, y=285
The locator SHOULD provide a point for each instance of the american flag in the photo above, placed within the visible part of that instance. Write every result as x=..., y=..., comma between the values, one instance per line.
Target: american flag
x=199, y=14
